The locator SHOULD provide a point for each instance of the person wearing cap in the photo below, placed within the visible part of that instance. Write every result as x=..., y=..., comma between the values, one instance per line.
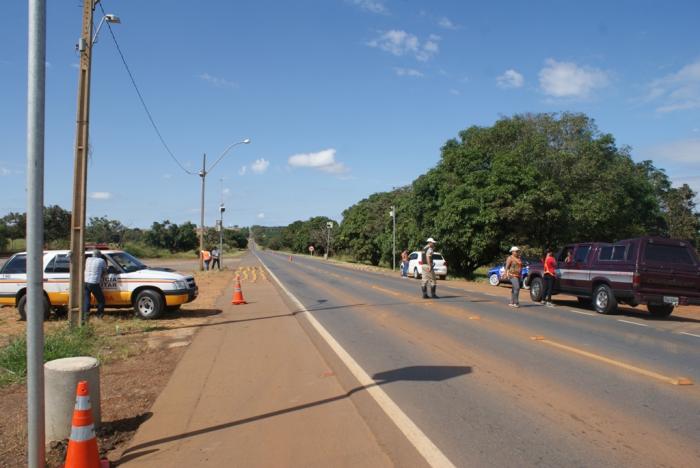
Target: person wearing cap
x=428, y=273
x=95, y=268
x=514, y=268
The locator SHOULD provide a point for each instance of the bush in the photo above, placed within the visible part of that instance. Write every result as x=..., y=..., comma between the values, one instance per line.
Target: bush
x=58, y=344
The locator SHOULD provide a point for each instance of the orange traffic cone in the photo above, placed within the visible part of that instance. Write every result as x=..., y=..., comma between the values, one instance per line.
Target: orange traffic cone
x=82, y=445
x=237, y=293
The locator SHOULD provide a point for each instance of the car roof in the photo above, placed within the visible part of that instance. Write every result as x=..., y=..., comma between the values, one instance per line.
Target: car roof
x=47, y=252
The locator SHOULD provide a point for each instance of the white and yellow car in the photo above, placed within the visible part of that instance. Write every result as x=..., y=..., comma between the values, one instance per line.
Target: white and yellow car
x=128, y=283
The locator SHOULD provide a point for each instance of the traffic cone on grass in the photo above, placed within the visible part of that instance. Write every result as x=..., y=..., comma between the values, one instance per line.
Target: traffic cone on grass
x=237, y=293
x=82, y=445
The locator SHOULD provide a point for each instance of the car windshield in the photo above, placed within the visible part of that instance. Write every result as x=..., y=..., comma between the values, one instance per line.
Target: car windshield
x=16, y=265
x=437, y=256
x=127, y=262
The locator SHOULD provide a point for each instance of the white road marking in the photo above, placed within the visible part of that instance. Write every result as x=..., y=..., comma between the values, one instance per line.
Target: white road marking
x=633, y=323
x=689, y=334
x=580, y=312
x=432, y=454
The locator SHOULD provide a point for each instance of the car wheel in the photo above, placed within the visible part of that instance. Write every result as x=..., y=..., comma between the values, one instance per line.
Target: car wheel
x=604, y=300
x=149, y=304
x=660, y=310
x=415, y=273
x=494, y=280
x=526, y=282
x=536, y=289
x=22, y=308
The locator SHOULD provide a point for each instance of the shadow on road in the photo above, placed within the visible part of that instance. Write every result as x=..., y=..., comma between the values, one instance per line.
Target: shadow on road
x=403, y=374
x=628, y=311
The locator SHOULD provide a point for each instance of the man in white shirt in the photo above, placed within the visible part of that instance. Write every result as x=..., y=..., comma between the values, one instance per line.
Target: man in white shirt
x=95, y=268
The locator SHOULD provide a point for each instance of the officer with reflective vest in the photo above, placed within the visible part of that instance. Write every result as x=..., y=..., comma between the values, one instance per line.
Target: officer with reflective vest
x=428, y=273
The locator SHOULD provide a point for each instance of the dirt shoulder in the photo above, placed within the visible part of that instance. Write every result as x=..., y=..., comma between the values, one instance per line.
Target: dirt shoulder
x=137, y=358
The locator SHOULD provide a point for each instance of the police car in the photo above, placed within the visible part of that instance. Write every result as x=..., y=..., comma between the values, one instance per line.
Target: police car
x=128, y=283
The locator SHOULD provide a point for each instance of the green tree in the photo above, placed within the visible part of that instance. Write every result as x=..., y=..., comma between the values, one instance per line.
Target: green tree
x=56, y=224
x=683, y=221
x=103, y=229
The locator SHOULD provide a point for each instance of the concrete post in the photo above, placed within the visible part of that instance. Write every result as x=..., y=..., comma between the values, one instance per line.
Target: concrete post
x=61, y=378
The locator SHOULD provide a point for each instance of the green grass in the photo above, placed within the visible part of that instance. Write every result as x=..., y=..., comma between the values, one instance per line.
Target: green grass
x=58, y=344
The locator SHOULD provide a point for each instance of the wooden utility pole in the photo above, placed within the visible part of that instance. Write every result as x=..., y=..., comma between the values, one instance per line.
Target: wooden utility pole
x=76, y=310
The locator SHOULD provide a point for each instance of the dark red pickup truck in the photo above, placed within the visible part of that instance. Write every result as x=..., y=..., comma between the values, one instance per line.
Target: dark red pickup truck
x=661, y=273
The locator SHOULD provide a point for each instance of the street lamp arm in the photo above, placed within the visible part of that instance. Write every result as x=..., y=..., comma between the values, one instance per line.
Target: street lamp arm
x=244, y=142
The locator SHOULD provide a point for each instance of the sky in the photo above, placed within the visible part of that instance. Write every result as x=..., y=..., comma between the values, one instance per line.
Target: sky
x=340, y=98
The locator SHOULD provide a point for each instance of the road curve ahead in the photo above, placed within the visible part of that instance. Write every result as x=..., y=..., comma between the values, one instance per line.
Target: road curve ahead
x=489, y=385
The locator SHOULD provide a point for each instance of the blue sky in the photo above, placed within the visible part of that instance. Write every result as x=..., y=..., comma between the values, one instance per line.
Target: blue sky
x=341, y=98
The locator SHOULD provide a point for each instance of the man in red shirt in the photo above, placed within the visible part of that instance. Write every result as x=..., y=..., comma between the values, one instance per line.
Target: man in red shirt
x=550, y=273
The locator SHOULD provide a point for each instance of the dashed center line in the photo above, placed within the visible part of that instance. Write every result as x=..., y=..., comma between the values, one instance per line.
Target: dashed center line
x=633, y=323
x=581, y=312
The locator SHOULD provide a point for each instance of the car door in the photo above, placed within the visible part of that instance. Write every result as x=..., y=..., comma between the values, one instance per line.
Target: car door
x=57, y=279
x=13, y=278
x=565, y=269
x=116, y=292
x=579, y=271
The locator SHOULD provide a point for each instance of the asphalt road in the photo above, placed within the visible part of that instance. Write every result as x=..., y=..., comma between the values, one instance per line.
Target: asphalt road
x=494, y=386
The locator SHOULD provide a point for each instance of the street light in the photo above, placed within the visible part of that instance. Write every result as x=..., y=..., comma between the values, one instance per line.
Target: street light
x=203, y=174
x=76, y=308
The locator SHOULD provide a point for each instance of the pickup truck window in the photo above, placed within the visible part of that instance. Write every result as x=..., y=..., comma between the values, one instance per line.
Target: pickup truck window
x=17, y=265
x=582, y=253
x=668, y=254
x=612, y=253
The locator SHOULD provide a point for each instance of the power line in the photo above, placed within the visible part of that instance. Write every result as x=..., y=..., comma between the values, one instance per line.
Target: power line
x=143, y=102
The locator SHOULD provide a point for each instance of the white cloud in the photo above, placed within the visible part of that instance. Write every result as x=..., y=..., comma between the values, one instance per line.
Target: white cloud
x=373, y=6
x=677, y=91
x=568, y=80
x=75, y=65
x=227, y=191
x=510, y=79
x=100, y=195
x=167, y=176
x=401, y=43
x=217, y=81
x=4, y=171
x=323, y=161
x=455, y=92
x=445, y=23
x=261, y=215
x=260, y=166
x=242, y=171
x=681, y=151
x=408, y=72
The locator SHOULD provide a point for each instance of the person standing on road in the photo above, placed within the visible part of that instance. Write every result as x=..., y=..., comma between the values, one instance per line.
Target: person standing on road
x=206, y=256
x=428, y=272
x=95, y=269
x=550, y=274
x=404, y=264
x=514, y=268
x=215, y=258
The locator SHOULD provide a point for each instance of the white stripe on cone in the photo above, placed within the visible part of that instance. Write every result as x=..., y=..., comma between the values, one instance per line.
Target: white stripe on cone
x=82, y=403
x=82, y=433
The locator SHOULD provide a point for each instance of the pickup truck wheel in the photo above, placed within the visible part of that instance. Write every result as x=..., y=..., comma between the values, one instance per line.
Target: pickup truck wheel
x=660, y=310
x=494, y=280
x=604, y=300
x=536, y=289
x=22, y=308
x=149, y=304
x=415, y=273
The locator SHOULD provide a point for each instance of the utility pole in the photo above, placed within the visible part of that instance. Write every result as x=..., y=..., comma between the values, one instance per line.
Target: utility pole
x=221, y=226
x=36, y=94
x=76, y=309
x=203, y=175
x=329, y=226
x=392, y=213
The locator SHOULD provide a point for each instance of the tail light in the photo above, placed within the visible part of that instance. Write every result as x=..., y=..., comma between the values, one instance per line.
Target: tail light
x=636, y=280
x=445, y=263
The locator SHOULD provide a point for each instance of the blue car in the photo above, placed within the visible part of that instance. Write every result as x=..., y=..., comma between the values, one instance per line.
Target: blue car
x=497, y=274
